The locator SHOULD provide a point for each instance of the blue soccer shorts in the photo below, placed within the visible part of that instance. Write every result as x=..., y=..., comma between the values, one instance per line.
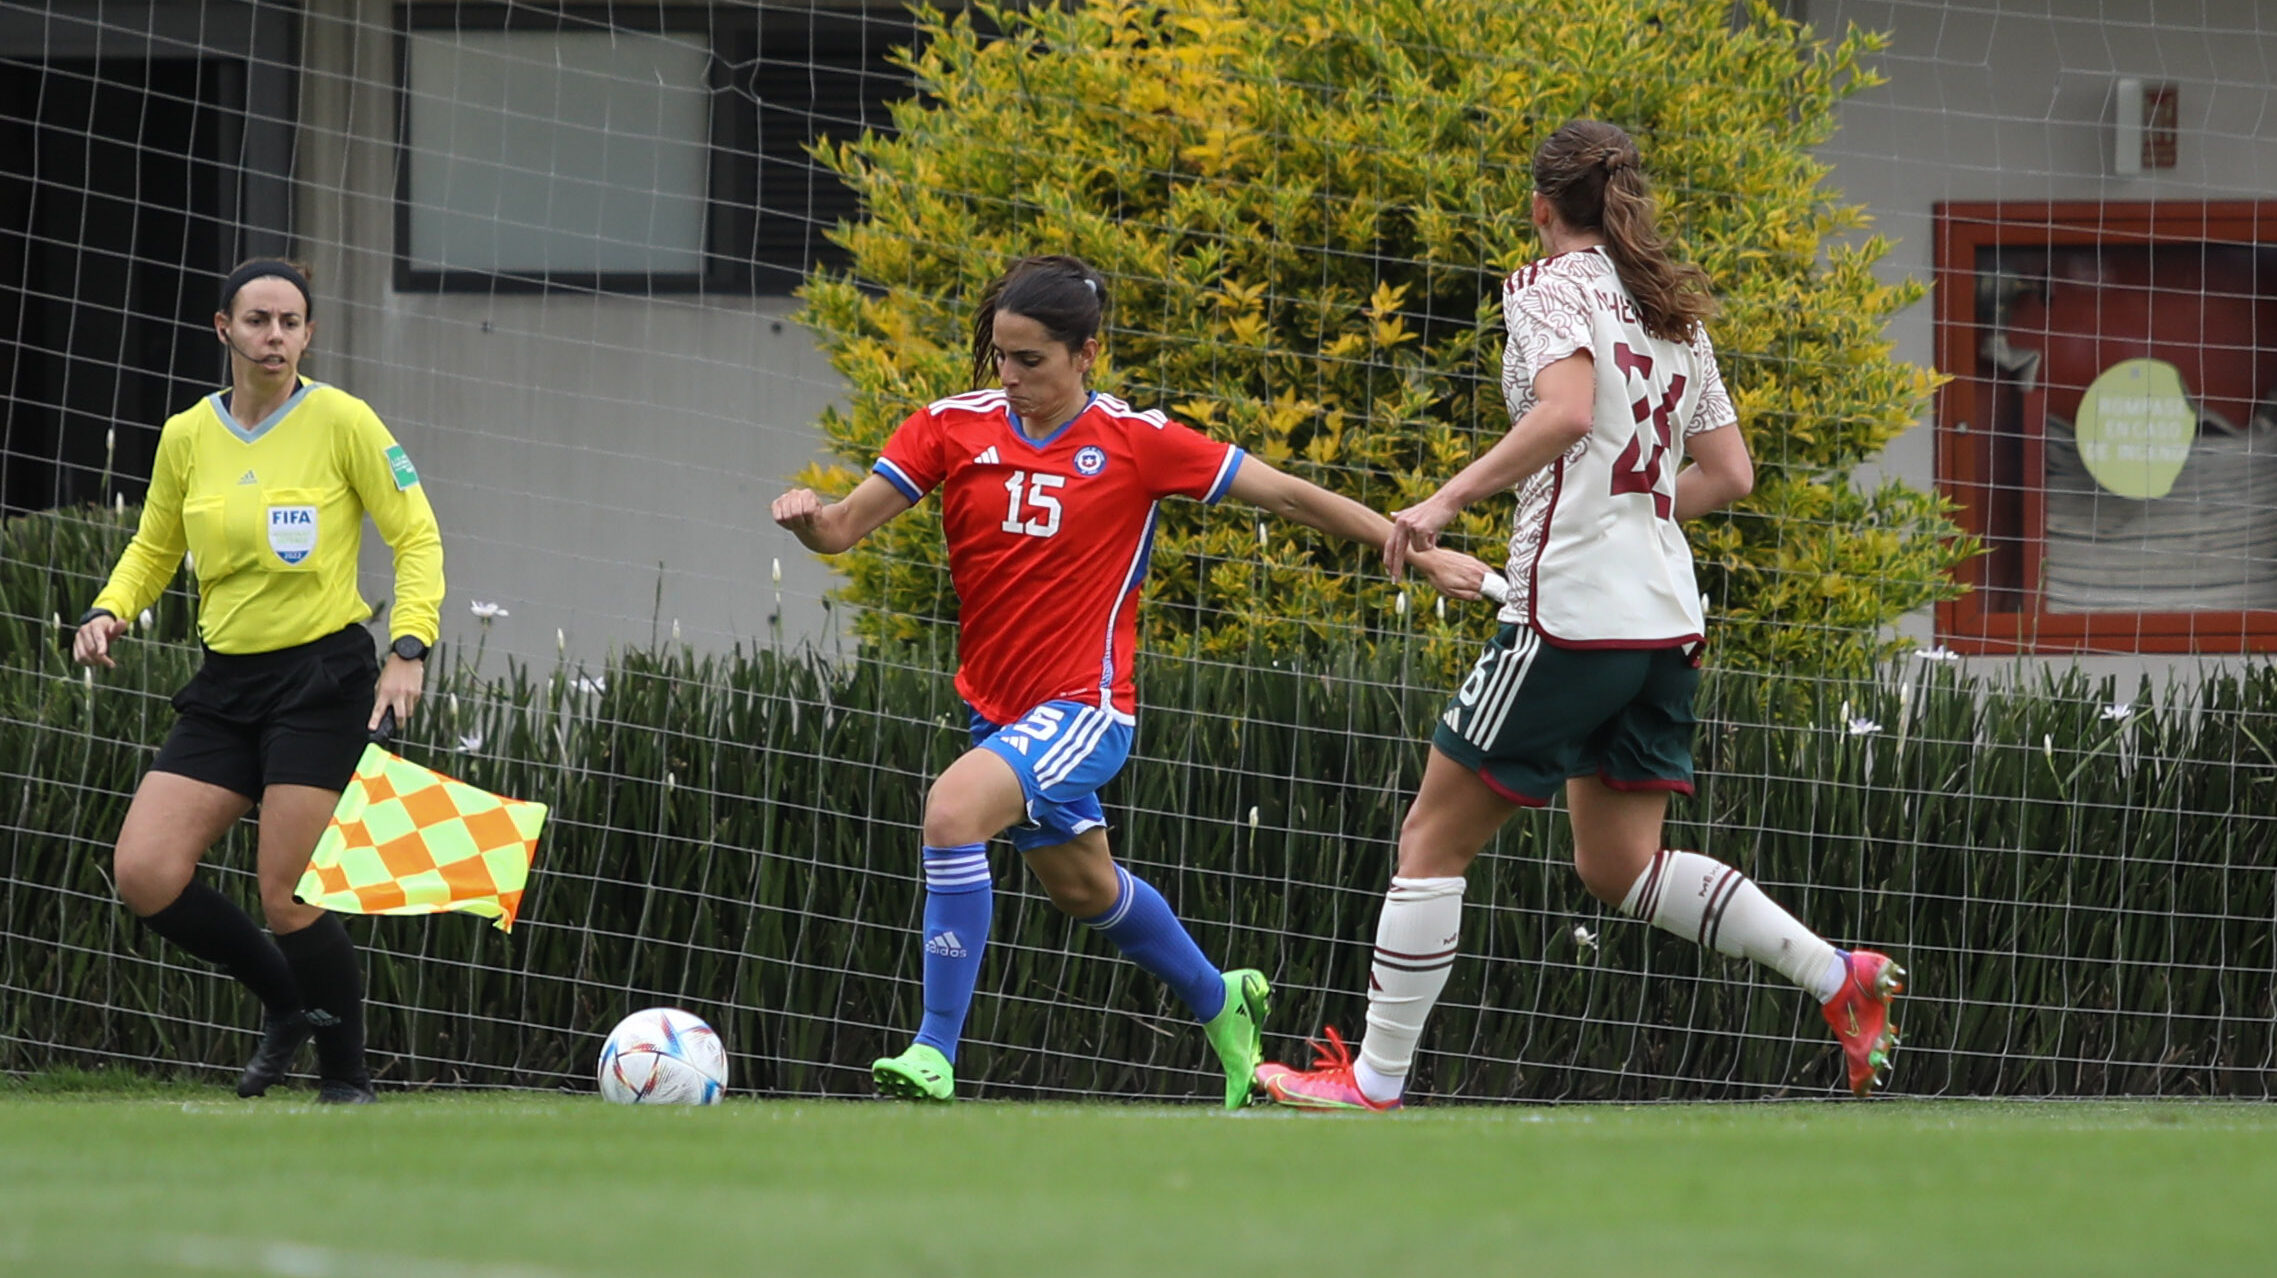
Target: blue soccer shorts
x=1062, y=751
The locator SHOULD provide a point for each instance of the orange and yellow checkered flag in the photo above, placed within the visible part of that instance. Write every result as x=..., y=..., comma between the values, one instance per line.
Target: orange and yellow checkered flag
x=409, y=840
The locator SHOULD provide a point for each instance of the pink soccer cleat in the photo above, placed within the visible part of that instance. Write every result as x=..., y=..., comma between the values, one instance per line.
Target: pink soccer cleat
x=1327, y=1085
x=1860, y=1016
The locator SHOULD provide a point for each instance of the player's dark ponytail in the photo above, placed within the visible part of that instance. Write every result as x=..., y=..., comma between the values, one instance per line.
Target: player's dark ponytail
x=1064, y=294
x=1592, y=172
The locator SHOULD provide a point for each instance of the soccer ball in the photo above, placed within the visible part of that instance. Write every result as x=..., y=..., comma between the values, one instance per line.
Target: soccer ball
x=663, y=1056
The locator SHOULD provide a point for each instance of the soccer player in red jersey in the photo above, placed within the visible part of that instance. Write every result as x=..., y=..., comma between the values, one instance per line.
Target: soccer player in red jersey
x=1048, y=493
x=1620, y=428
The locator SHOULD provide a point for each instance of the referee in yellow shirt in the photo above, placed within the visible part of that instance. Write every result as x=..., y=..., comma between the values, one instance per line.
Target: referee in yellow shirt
x=266, y=486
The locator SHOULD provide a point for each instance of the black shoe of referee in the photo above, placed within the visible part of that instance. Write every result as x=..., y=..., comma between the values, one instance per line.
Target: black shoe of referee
x=281, y=1037
x=344, y=1091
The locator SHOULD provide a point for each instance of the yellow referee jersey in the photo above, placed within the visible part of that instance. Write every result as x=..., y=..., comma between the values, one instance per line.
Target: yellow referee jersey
x=273, y=517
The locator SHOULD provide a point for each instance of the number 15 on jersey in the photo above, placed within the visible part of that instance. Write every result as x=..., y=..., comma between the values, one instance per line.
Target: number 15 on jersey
x=1032, y=493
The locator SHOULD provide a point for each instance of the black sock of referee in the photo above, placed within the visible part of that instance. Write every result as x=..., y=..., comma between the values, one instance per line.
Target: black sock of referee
x=210, y=926
x=332, y=990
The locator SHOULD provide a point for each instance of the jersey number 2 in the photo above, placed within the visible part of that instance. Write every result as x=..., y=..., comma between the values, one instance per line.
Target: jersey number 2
x=1032, y=490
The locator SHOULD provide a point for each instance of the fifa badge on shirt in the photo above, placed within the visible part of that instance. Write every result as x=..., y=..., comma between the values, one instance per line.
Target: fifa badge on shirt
x=292, y=532
x=399, y=462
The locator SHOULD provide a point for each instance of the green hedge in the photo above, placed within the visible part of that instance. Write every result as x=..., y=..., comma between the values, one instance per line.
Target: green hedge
x=2085, y=902
x=1306, y=208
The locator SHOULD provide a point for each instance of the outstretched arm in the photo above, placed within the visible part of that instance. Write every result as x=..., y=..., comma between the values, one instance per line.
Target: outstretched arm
x=1565, y=400
x=1283, y=494
x=1257, y=483
x=830, y=527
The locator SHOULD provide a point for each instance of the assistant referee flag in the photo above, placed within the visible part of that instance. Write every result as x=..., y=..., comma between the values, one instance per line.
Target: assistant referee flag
x=409, y=840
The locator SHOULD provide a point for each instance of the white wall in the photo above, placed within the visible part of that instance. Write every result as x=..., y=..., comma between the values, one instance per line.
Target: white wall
x=2012, y=100
x=571, y=444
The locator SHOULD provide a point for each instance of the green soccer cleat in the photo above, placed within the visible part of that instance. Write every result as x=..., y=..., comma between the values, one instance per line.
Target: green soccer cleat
x=1237, y=1032
x=921, y=1073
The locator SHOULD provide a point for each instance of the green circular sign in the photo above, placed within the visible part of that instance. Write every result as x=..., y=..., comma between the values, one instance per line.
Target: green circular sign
x=2135, y=427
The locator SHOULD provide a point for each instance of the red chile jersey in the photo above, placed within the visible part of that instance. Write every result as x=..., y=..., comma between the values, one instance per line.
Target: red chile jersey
x=1048, y=538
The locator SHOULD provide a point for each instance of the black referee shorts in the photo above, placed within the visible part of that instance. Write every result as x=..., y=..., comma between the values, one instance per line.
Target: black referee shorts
x=296, y=716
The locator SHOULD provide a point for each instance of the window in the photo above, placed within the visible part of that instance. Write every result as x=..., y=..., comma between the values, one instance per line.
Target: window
x=2110, y=431
x=631, y=150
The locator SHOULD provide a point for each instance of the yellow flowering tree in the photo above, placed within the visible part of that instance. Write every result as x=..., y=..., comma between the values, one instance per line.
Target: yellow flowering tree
x=1305, y=208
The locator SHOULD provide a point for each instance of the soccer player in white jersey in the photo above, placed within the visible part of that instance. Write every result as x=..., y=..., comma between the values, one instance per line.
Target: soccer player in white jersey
x=1048, y=495
x=1612, y=387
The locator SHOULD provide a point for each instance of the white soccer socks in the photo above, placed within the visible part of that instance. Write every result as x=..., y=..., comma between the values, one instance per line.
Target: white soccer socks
x=1416, y=939
x=1709, y=903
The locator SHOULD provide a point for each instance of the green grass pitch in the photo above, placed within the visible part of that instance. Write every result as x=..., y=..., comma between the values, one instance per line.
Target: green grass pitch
x=179, y=1180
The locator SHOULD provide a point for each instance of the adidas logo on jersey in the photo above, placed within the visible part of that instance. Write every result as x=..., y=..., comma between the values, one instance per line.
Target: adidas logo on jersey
x=986, y=457
x=945, y=944
x=249, y=478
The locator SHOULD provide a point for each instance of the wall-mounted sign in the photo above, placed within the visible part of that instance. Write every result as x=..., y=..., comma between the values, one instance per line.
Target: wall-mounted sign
x=2135, y=427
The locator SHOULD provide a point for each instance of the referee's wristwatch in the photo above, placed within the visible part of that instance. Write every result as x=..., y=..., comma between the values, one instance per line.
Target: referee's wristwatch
x=409, y=647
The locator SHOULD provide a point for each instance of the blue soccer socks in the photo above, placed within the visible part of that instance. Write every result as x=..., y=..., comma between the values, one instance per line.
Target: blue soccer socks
x=1143, y=928
x=959, y=898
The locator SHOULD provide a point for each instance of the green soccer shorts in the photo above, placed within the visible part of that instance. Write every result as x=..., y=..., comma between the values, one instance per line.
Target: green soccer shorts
x=1532, y=714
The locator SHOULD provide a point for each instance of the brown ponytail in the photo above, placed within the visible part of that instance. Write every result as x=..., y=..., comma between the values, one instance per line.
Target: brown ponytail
x=1592, y=173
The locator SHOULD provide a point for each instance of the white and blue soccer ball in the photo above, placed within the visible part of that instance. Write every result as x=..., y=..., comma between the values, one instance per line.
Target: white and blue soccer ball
x=663, y=1056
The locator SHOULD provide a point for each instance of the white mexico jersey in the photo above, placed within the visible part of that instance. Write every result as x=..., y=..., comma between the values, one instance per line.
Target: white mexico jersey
x=1597, y=559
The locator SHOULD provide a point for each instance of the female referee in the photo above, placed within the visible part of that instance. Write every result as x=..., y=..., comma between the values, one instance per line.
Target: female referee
x=1612, y=385
x=1048, y=494
x=266, y=485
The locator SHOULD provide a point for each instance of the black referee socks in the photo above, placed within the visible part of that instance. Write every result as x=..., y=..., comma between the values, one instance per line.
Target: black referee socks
x=331, y=983
x=210, y=926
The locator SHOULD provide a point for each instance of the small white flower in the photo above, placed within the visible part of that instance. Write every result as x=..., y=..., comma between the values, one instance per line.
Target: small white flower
x=1253, y=818
x=58, y=619
x=1584, y=938
x=592, y=686
x=454, y=705
x=118, y=503
x=1439, y=606
x=560, y=641
x=1939, y=653
x=1261, y=544
x=1399, y=605
x=1864, y=727
x=470, y=742
x=671, y=782
x=675, y=630
x=778, y=572
x=110, y=440
x=487, y=611
x=146, y=622
x=2117, y=711
x=2048, y=746
x=87, y=676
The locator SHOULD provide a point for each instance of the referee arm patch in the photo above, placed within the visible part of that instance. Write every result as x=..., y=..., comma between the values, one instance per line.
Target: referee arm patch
x=399, y=465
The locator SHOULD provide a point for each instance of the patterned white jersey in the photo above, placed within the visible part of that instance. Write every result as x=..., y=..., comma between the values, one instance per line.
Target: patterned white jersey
x=1597, y=559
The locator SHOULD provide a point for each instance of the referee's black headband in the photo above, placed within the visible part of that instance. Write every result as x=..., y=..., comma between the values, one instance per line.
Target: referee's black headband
x=262, y=268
